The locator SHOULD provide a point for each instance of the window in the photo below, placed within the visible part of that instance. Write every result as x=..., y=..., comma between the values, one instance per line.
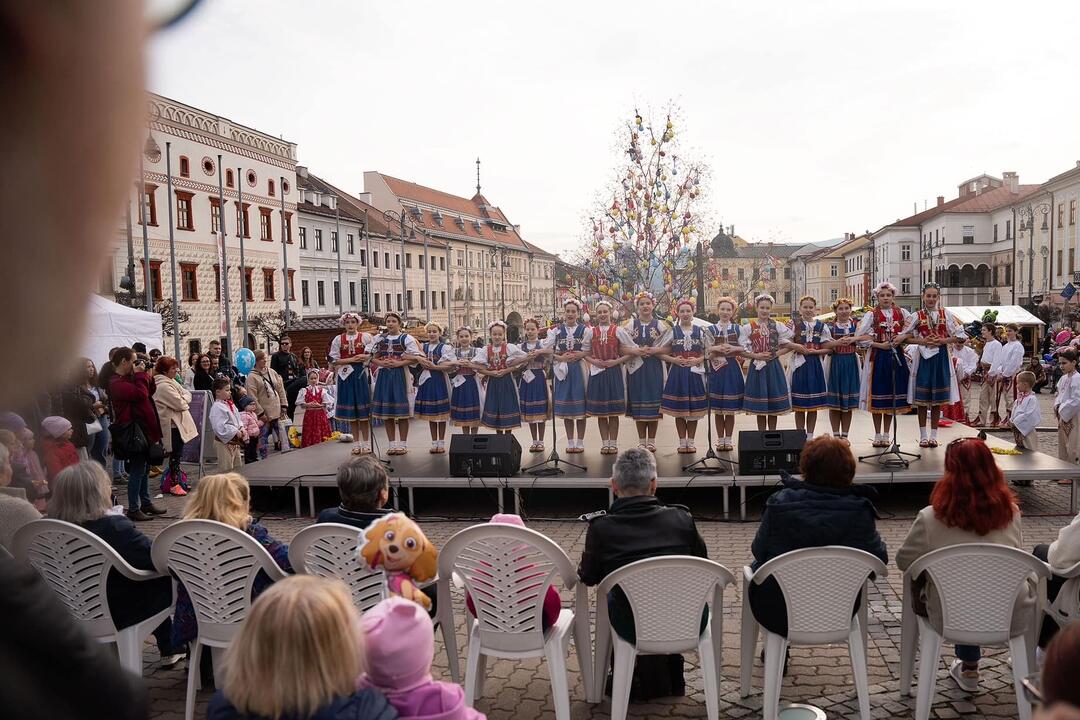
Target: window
x=185, y=166
x=386, y=261
x=421, y=258
x=968, y=235
x=834, y=270
x=408, y=299
x=443, y=297
x=742, y=274
x=460, y=257
x=905, y=286
x=905, y=252
x=423, y=300
x=318, y=239
x=155, y=278
x=292, y=285
x=352, y=294
x=1008, y=275
x=242, y=219
x=229, y=181
x=995, y=232
x=435, y=300
x=408, y=260
x=378, y=305
x=217, y=282
x=442, y=263
x=337, y=293
x=375, y=258
x=994, y=276
x=303, y=238
x=363, y=257
x=1060, y=267
x=350, y=244
x=265, y=226
x=388, y=301
x=149, y=204
x=724, y=273
x=1072, y=260
x=320, y=291
x=1072, y=211
x=305, y=295
x=398, y=302
x=833, y=294
x=787, y=297
x=215, y=215
x=397, y=262
x=333, y=241
x=1061, y=215
x=364, y=294
x=787, y=273
x=249, y=285
x=184, y=220
x=270, y=188
x=288, y=228
x=1008, y=230
x=189, y=282
x=268, y=283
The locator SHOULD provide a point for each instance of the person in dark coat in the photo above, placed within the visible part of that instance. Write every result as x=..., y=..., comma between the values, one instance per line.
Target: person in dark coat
x=824, y=508
x=130, y=392
x=364, y=488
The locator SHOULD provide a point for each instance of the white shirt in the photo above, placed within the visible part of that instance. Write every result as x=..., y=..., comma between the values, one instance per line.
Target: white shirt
x=953, y=327
x=966, y=361
x=866, y=325
x=1065, y=551
x=990, y=352
x=621, y=335
x=1067, y=400
x=410, y=342
x=1008, y=359
x=360, y=340
x=512, y=353
x=1025, y=414
x=553, y=335
x=224, y=420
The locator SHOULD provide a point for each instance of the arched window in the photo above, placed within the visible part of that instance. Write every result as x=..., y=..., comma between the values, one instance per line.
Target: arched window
x=229, y=180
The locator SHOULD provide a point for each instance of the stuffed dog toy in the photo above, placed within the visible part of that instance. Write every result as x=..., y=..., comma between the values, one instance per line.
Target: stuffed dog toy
x=395, y=544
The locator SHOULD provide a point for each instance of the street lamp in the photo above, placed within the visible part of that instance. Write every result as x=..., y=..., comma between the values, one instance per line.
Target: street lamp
x=1026, y=214
x=391, y=217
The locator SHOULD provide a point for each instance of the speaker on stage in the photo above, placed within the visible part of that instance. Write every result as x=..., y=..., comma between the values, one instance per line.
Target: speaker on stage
x=484, y=455
x=767, y=452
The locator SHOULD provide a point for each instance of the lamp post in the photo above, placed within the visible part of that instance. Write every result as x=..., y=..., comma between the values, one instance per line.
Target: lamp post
x=391, y=217
x=152, y=152
x=1026, y=214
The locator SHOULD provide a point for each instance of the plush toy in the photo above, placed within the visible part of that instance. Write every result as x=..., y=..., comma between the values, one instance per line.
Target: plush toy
x=396, y=545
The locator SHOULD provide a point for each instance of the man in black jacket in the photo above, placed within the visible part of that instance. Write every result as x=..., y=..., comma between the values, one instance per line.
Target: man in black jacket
x=287, y=365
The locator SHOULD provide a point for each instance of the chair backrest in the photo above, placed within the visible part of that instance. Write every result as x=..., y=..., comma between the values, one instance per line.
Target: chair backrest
x=75, y=563
x=1065, y=608
x=820, y=587
x=217, y=564
x=507, y=571
x=667, y=595
x=330, y=550
x=978, y=584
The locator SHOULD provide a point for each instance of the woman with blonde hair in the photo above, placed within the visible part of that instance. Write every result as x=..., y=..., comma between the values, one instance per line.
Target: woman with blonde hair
x=225, y=498
x=298, y=656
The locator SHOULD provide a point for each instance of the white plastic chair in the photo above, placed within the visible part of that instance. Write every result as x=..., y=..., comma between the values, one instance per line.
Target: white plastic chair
x=75, y=563
x=1065, y=608
x=820, y=586
x=330, y=550
x=665, y=622
x=507, y=570
x=977, y=584
x=217, y=564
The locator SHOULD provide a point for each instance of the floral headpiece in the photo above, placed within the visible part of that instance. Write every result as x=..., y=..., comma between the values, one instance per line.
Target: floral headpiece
x=885, y=285
x=930, y=285
x=598, y=303
x=764, y=296
x=644, y=294
x=572, y=301
x=685, y=301
x=495, y=323
x=349, y=316
x=432, y=323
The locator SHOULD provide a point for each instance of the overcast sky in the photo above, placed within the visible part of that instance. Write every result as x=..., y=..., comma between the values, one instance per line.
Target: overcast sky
x=817, y=118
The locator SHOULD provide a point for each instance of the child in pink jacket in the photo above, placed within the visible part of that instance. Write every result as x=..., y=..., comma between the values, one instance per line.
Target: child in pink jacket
x=400, y=644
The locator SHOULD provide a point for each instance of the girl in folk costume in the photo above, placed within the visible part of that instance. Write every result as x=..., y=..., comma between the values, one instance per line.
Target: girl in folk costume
x=1067, y=407
x=807, y=370
x=497, y=360
x=644, y=369
x=533, y=388
x=933, y=379
x=352, y=399
x=965, y=360
x=316, y=398
x=433, y=388
x=605, y=397
x=684, y=391
x=391, y=353
x=885, y=373
x=843, y=379
x=726, y=383
x=465, y=392
x=765, y=341
x=570, y=343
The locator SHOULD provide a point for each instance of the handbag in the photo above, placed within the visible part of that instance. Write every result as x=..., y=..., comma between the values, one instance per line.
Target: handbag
x=128, y=440
x=94, y=428
x=155, y=453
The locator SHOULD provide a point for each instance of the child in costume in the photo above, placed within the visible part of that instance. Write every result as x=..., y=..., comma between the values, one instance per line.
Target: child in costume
x=316, y=424
x=465, y=390
x=348, y=357
x=533, y=388
x=885, y=372
x=1067, y=407
x=229, y=433
x=497, y=360
x=684, y=391
x=433, y=391
x=726, y=383
x=844, y=371
x=391, y=353
x=933, y=380
x=765, y=341
x=644, y=369
x=1006, y=365
x=1026, y=413
x=570, y=343
x=988, y=394
x=605, y=397
x=965, y=360
x=807, y=369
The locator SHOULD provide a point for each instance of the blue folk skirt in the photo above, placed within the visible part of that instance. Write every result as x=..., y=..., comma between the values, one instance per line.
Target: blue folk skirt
x=533, y=397
x=644, y=388
x=501, y=409
x=808, y=389
x=465, y=403
x=684, y=394
x=391, y=400
x=888, y=382
x=433, y=399
x=766, y=390
x=606, y=394
x=843, y=382
x=570, y=394
x=727, y=387
x=933, y=380
x=353, y=396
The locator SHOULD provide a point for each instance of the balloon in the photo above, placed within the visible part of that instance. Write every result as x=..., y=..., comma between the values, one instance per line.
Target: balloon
x=244, y=361
x=1048, y=357
x=1063, y=337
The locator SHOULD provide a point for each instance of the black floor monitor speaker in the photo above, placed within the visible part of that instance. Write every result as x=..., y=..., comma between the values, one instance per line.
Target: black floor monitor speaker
x=484, y=455
x=766, y=452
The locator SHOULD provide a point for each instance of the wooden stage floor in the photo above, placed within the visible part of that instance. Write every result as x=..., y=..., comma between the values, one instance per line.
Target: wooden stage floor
x=316, y=466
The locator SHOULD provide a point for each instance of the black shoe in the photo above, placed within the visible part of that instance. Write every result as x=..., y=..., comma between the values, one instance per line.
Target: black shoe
x=139, y=516
x=153, y=509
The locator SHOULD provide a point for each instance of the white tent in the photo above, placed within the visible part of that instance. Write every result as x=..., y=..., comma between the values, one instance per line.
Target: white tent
x=110, y=325
x=1006, y=314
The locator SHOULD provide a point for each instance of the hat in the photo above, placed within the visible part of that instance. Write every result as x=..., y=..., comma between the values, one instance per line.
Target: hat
x=507, y=519
x=399, y=633
x=11, y=421
x=55, y=426
x=244, y=401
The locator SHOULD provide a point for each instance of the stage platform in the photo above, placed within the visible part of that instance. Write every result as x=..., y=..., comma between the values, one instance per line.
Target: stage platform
x=314, y=467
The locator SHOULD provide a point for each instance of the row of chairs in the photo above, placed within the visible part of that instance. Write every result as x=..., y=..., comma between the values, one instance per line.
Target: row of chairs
x=507, y=571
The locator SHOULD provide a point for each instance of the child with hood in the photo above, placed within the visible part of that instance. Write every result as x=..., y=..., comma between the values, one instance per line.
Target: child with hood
x=56, y=447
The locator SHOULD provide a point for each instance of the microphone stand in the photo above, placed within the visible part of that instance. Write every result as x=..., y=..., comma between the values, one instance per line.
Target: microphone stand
x=549, y=467
x=892, y=456
x=701, y=466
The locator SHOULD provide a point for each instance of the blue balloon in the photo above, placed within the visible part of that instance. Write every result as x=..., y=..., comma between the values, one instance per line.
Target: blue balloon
x=244, y=361
x=1048, y=357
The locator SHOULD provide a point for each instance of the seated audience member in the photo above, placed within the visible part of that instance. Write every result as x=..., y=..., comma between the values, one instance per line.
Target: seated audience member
x=82, y=495
x=21, y=477
x=971, y=503
x=15, y=510
x=824, y=508
x=56, y=446
x=638, y=526
x=298, y=656
x=1060, y=555
x=364, y=487
x=1059, y=667
x=399, y=645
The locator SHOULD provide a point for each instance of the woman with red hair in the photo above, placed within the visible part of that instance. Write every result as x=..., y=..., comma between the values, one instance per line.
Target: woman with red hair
x=971, y=503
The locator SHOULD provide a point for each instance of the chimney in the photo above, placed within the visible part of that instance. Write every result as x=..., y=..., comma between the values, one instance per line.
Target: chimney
x=364, y=197
x=1012, y=181
x=302, y=171
x=940, y=200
